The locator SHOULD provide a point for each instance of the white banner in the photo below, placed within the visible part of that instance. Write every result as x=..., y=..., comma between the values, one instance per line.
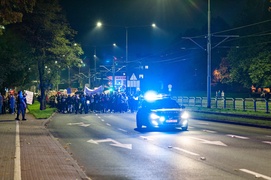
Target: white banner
x=29, y=96
x=89, y=91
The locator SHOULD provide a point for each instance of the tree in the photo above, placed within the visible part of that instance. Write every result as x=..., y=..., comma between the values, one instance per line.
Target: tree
x=51, y=39
x=11, y=11
x=254, y=39
x=15, y=55
x=260, y=69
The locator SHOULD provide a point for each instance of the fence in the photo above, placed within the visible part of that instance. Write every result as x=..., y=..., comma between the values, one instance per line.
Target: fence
x=250, y=104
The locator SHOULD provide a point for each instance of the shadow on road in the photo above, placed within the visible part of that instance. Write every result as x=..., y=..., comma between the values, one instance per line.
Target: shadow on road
x=166, y=130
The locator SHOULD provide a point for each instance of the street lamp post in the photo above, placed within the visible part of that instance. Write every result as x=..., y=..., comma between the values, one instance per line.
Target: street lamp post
x=95, y=66
x=99, y=24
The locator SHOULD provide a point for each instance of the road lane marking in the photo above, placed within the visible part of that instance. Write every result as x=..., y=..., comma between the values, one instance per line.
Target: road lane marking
x=203, y=123
x=209, y=131
x=114, y=143
x=123, y=130
x=79, y=124
x=146, y=138
x=108, y=124
x=218, y=143
x=185, y=151
x=267, y=142
x=235, y=136
x=17, y=159
x=257, y=175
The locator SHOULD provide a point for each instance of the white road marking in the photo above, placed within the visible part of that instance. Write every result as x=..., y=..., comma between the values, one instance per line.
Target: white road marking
x=203, y=123
x=17, y=159
x=102, y=120
x=108, y=124
x=235, y=136
x=268, y=136
x=267, y=142
x=257, y=175
x=79, y=124
x=188, y=152
x=209, y=131
x=115, y=143
x=84, y=125
x=218, y=143
x=146, y=138
x=71, y=124
x=123, y=130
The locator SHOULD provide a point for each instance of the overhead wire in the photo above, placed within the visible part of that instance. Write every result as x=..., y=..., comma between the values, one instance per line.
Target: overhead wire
x=259, y=34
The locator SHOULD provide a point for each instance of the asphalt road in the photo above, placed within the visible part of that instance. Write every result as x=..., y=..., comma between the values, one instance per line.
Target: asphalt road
x=108, y=146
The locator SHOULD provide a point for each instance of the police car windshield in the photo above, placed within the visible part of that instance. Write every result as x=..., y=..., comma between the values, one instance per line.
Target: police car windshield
x=161, y=104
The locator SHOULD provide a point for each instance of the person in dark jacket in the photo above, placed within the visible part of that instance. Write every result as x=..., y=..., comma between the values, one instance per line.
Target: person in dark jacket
x=21, y=106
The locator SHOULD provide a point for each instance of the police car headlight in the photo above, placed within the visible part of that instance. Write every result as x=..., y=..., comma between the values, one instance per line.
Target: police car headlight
x=185, y=115
x=162, y=119
x=154, y=116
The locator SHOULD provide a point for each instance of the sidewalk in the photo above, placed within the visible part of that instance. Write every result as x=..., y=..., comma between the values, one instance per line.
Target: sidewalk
x=41, y=156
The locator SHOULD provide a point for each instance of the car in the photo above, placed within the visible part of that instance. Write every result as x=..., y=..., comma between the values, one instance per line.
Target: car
x=162, y=112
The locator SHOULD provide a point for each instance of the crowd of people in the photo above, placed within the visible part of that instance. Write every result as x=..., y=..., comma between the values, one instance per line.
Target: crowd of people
x=99, y=102
x=14, y=104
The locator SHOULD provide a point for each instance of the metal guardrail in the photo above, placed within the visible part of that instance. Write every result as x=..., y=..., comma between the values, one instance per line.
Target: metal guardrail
x=250, y=104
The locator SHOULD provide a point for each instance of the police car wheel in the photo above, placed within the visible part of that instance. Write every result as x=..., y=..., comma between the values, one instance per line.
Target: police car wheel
x=185, y=128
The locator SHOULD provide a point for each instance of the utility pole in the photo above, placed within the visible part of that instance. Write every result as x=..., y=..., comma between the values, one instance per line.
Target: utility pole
x=113, y=73
x=113, y=70
x=95, y=66
x=89, y=81
x=209, y=52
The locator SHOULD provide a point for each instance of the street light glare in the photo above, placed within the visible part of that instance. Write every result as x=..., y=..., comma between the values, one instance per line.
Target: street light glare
x=153, y=25
x=99, y=24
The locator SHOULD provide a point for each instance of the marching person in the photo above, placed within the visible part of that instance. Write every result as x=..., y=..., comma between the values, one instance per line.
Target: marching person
x=21, y=106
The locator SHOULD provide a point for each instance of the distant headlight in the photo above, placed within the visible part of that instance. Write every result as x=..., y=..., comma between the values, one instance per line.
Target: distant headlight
x=185, y=115
x=154, y=116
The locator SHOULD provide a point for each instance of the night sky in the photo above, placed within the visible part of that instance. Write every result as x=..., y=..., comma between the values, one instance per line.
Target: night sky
x=172, y=17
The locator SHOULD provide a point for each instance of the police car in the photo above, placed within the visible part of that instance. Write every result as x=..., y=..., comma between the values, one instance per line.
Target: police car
x=158, y=111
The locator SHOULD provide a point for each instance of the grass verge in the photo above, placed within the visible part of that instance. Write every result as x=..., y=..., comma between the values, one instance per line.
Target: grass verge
x=232, y=116
x=40, y=114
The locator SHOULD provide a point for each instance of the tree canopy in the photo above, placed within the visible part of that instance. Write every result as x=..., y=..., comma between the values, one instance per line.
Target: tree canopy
x=50, y=41
x=249, y=58
x=11, y=11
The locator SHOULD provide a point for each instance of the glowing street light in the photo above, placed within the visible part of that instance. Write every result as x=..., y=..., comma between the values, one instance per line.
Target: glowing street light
x=153, y=25
x=99, y=24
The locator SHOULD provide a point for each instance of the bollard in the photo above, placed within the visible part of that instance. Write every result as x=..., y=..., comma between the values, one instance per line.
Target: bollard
x=225, y=105
x=255, y=104
x=244, y=105
x=267, y=106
